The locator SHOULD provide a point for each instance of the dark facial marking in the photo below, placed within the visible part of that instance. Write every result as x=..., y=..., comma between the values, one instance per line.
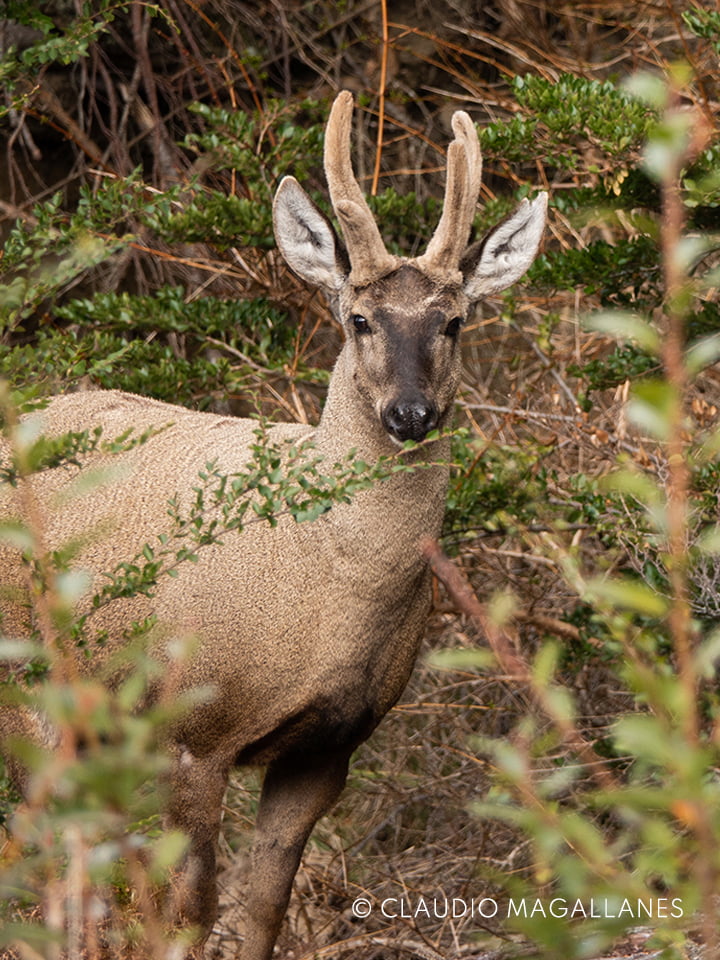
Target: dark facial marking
x=408, y=361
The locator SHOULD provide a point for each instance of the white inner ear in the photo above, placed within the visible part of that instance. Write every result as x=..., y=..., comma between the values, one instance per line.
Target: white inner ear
x=304, y=236
x=509, y=250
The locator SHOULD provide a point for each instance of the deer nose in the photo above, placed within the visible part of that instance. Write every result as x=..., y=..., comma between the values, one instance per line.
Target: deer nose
x=410, y=419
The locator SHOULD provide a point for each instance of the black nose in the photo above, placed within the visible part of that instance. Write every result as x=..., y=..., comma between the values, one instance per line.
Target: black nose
x=410, y=419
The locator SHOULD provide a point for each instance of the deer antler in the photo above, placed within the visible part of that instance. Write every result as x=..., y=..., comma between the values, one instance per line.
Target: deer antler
x=464, y=175
x=368, y=257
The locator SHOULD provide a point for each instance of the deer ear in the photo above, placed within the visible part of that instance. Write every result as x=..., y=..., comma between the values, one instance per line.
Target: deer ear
x=504, y=255
x=306, y=238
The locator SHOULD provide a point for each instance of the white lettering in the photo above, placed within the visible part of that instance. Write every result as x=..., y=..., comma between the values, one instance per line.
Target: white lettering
x=421, y=908
x=440, y=916
x=493, y=907
x=646, y=908
x=578, y=909
x=560, y=911
x=457, y=900
x=384, y=911
x=538, y=907
x=558, y=907
x=516, y=908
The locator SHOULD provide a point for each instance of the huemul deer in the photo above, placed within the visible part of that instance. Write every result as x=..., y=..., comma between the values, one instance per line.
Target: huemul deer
x=307, y=632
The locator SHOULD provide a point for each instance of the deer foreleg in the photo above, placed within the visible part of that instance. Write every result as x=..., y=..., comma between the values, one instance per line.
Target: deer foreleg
x=293, y=798
x=195, y=807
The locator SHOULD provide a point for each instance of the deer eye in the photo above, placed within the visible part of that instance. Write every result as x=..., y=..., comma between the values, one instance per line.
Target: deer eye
x=360, y=323
x=453, y=327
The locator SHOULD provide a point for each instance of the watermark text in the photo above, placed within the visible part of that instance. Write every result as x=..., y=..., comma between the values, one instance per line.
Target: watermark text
x=488, y=908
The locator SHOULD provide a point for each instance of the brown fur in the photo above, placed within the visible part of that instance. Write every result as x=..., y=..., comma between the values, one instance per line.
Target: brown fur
x=306, y=633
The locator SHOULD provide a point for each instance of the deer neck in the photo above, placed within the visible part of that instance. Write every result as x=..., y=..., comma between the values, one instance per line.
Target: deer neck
x=350, y=422
x=414, y=499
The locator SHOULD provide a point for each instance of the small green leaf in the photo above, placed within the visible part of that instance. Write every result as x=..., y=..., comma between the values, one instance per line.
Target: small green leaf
x=559, y=703
x=703, y=353
x=707, y=656
x=502, y=606
x=628, y=595
x=469, y=658
x=167, y=851
x=648, y=87
x=17, y=535
x=647, y=737
x=624, y=325
x=545, y=664
x=709, y=540
x=73, y=584
x=11, y=650
x=651, y=407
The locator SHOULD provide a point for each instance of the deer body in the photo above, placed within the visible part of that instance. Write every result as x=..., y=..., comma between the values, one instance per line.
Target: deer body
x=248, y=597
x=306, y=633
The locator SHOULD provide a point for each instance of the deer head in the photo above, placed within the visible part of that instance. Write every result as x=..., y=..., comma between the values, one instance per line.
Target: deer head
x=402, y=317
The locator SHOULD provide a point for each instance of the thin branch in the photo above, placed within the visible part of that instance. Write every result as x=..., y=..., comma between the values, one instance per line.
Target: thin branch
x=381, y=98
x=505, y=646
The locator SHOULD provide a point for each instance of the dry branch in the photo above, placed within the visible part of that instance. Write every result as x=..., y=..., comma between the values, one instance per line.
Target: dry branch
x=504, y=644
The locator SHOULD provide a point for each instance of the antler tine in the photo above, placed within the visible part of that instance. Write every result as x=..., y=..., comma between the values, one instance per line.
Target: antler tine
x=464, y=128
x=368, y=256
x=464, y=175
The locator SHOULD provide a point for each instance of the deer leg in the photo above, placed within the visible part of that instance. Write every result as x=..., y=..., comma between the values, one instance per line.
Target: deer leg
x=197, y=788
x=20, y=725
x=294, y=796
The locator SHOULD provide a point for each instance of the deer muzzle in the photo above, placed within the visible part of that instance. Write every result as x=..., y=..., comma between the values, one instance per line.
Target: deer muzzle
x=410, y=418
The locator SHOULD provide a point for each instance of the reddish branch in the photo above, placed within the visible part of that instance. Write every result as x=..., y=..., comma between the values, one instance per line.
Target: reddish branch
x=504, y=644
